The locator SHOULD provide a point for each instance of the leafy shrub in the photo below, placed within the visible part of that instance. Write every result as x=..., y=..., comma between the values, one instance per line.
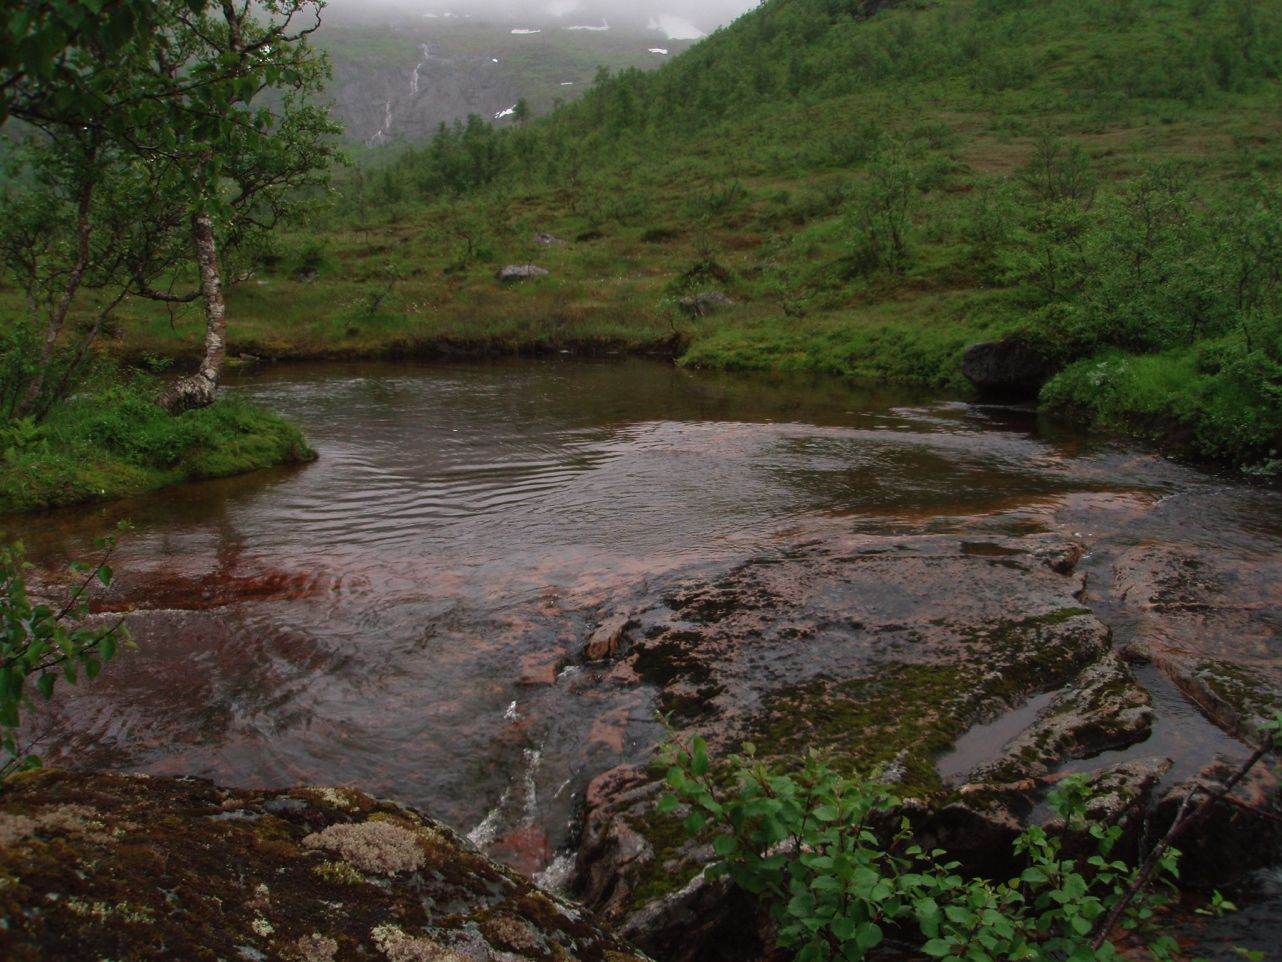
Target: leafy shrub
x=42, y=640
x=825, y=853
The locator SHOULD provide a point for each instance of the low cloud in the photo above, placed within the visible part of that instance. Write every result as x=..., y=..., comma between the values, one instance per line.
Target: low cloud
x=705, y=15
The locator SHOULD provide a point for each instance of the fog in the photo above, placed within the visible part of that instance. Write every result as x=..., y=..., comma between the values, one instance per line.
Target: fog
x=705, y=15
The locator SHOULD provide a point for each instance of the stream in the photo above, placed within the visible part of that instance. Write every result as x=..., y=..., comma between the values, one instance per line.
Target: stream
x=407, y=614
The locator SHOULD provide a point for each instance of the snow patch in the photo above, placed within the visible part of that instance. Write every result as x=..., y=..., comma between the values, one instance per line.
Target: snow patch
x=662, y=51
x=522, y=31
x=676, y=28
x=604, y=25
x=505, y=113
x=494, y=60
x=567, y=83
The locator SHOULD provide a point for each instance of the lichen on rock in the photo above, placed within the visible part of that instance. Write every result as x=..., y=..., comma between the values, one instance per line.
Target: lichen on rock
x=379, y=847
x=171, y=878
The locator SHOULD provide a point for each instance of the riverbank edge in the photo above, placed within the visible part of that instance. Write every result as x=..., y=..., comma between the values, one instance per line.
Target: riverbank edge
x=229, y=438
x=1166, y=424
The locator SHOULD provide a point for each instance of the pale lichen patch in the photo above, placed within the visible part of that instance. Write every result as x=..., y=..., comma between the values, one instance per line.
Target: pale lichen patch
x=399, y=946
x=337, y=797
x=105, y=912
x=67, y=819
x=379, y=847
x=316, y=948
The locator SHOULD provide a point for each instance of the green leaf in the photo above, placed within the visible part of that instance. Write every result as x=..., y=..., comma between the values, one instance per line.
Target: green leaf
x=699, y=759
x=844, y=928
x=868, y=936
x=45, y=683
x=725, y=845
x=937, y=949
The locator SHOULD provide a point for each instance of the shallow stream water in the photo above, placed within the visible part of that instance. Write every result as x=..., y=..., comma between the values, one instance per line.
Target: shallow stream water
x=407, y=613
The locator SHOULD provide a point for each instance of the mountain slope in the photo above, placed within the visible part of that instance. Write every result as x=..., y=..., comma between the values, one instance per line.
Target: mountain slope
x=875, y=186
x=398, y=76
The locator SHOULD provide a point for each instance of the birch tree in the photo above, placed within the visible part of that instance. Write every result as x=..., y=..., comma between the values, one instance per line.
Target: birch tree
x=150, y=136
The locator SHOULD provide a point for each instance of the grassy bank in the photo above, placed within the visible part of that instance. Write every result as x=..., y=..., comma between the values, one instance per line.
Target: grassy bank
x=117, y=442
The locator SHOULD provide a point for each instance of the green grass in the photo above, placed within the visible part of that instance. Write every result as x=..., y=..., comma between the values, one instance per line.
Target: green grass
x=118, y=443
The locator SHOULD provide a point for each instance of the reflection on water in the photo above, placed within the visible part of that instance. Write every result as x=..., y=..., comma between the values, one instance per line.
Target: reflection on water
x=405, y=613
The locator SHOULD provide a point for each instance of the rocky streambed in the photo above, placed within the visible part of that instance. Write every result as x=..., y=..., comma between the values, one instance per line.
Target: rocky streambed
x=495, y=577
x=967, y=669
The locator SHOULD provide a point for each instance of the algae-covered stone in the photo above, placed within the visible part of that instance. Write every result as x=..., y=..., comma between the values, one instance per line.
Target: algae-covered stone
x=128, y=867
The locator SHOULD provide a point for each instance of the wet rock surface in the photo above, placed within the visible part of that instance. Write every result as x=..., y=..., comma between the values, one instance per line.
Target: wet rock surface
x=136, y=867
x=884, y=651
x=1211, y=620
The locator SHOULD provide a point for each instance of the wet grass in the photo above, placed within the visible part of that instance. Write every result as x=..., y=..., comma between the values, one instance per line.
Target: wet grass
x=118, y=442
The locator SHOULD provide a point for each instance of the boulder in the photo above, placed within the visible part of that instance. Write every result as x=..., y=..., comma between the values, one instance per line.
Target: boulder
x=520, y=272
x=699, y=305
x=132, y=867
x=606, y=640
x=1006, y=370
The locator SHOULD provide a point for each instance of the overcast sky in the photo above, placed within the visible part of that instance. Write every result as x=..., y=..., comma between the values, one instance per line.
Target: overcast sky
x=707, y=14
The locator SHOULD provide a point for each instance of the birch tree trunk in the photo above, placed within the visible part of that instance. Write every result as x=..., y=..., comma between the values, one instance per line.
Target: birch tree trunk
x=197, y=390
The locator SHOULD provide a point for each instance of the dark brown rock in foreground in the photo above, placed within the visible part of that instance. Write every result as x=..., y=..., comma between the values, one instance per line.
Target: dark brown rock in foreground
x=132, y=867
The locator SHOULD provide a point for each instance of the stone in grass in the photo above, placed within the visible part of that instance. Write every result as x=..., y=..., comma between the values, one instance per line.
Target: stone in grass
x=96, y=866
x=699, y=305
x=520, y=272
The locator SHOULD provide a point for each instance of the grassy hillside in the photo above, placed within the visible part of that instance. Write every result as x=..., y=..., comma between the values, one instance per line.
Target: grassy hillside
x=875, y=185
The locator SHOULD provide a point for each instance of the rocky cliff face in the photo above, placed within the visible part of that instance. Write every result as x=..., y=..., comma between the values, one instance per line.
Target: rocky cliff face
x=380, y=101
x=398, y=79
x=131, y=867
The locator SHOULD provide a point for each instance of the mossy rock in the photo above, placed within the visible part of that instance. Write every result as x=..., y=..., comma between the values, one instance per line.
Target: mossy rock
x=96, y=866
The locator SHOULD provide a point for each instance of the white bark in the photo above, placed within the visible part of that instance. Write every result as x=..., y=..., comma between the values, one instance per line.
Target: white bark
x=199, y=389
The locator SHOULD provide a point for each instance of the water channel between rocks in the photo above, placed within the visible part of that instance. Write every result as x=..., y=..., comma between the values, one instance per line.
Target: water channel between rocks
x=408, y=614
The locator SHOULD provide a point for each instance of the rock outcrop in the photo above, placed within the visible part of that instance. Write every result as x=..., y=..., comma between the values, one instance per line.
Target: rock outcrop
x=700, y=305
x=883, y=651
x=1005, y=370
x=133, y=867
